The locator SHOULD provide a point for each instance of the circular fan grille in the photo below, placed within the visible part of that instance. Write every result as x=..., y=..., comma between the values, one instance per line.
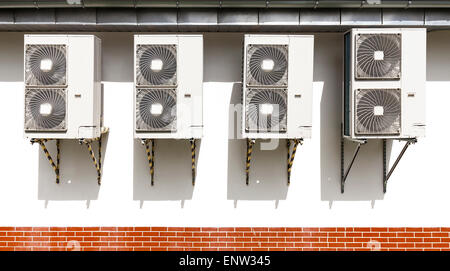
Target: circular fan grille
x=378, y=56
x=164, y=75
x=378, y=111
x=277, y=56
x=163, y=99
x=259, y=121
x=55, y=56
x=52, y=99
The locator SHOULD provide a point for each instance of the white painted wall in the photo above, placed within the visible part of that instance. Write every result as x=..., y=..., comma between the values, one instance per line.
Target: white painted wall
x=417, y=192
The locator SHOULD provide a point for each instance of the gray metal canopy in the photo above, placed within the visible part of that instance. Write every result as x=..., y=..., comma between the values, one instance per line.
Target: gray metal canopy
x=225, y=3
x=214, y=15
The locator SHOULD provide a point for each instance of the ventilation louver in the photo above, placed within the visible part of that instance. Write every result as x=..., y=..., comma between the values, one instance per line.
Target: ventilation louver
x=156, y=110
x=156, y=65
x=378, y=56
x=267, y=65
x=378, y=111
x=45, y=109
x=45, y=65
x=266, y=110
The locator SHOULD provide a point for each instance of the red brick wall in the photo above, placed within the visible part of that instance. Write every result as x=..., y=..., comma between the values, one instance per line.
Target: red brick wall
x=231, y=239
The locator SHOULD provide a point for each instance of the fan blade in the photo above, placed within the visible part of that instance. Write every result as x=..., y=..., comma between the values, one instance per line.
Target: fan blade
x=156, y=110
x=267, y=65
x=266, y=110
x=53, y=101
x=156, y=65
x=378, y=111
x=45, y=65
x=378, y=56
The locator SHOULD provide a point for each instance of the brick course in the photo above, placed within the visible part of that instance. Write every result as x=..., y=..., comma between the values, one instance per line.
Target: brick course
x=221, y=239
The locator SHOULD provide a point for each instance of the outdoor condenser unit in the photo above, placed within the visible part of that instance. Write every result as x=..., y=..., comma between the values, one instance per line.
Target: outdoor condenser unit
x=277, y=89
x=168, y=86
x=277, y=86
x=63, y=92
x=384, y=87
x=168, y=97
x=384, y=84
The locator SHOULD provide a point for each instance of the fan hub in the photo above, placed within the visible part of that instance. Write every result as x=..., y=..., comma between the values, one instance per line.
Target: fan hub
x=156, y=65
x=45, y=109
x=378, y=55
x=156, y=109
x=46, y=65
x=267, y=65
x=378, y=110
x=266, y=109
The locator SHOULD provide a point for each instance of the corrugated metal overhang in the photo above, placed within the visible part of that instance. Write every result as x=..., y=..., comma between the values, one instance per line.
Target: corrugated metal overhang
x=224, y=3
x=227, y=15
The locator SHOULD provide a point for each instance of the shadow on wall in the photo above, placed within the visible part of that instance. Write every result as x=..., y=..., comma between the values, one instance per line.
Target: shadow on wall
x=438, y=56
x=117, y=56
x=172, y=175
x=364, y=181
x=223, y=63
x=11, y=55
x=222, y=57
x=266, y=182
x=78, y=179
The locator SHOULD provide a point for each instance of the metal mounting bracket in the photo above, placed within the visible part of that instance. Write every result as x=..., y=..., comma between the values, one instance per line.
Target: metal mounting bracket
x=193, y=147
x=97, y=161
x=88, y=141
x=291, y=155
x=54, y=165
x=250, y=143
x=149, y=145
x=345, y=172
x=386, y=176
x=150, y=156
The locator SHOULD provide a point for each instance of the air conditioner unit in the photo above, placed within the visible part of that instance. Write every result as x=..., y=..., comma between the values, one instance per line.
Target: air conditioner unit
x=277, y=86
x=384, y=83
x=63, y=93
x=168, y=86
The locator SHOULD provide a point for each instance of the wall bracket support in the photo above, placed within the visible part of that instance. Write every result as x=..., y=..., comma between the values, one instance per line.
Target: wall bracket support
x=193, y=147
x=54, y=165
x=250, y=143
x=345, y=172
x=291, y=155
x=387, y=175
x=97, y=161
x=150, y=150
x=88, y=142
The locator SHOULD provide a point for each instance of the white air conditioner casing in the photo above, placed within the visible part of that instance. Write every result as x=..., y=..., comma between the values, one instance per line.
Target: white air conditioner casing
x=277, y=81
x=384, y=83
x=168, y=73
x=80, y=59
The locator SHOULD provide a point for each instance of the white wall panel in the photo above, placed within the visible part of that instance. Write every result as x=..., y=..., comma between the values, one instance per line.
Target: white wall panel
x=417, y=191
